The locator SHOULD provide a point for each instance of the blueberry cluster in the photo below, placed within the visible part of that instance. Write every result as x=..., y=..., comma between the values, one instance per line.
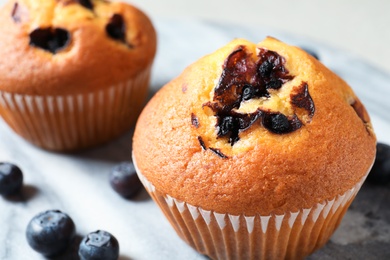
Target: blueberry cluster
x=51, y=232
x=243, y=79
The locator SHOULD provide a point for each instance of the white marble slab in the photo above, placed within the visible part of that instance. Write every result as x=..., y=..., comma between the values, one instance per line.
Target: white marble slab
x=78, y=183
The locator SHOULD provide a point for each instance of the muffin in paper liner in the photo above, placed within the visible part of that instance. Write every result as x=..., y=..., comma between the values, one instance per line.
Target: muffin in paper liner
x=293, y=235
x=73, y=74
x=254, y=151
x=69, y=122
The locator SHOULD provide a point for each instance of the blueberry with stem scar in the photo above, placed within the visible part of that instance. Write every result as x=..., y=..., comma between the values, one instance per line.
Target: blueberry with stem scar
x=50, y=232
x=99, y=245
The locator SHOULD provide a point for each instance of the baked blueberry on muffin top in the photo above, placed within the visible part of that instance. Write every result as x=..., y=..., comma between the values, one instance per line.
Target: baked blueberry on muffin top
x=84, y=63
x=254, y=151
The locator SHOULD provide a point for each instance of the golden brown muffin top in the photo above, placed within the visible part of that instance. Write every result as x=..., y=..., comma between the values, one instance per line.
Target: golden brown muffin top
x=72, y=46
x=254, y=129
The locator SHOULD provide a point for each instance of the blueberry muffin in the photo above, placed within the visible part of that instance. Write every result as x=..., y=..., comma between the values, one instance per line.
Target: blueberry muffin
x=73, y=73
x=254, y=151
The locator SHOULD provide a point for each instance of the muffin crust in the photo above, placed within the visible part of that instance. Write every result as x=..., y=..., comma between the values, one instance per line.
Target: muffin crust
x=177, y=147
x=89, y=60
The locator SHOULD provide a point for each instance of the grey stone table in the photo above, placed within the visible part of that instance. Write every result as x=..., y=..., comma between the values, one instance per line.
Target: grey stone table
x=78, y=183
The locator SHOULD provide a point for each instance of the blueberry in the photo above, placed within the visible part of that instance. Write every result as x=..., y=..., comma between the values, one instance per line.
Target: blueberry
x=380, y=172
x=276, y=123
x=274, y=84
x=11, y=179
x=227, y=125
x=99, y=245
x=50, y=232
x=50, y=39
x=124, y=180
x=116, y=28
x=266, y=68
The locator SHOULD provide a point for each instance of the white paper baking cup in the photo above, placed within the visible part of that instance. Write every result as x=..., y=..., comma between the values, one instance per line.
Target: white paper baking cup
x=293, y=235
x=76, y=121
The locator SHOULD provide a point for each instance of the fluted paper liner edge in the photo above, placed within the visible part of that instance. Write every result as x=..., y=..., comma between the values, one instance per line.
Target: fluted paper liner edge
x=293, y=235
x=67, y=122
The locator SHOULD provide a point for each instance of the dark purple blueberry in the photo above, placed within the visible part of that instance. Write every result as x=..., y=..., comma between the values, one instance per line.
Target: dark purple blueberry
x=99, y=245
x=311, y=52
x=277, y=123
x=265, y=69
x=124, y=180
x=302, y=99
x=274, y=84
x=380, y=172
x=228, y=92
x=50, y=39
x=280, y=124
x=271, y=71
x=11, y=179
x=227, y=125
x=50, y=232
x=116, y=28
